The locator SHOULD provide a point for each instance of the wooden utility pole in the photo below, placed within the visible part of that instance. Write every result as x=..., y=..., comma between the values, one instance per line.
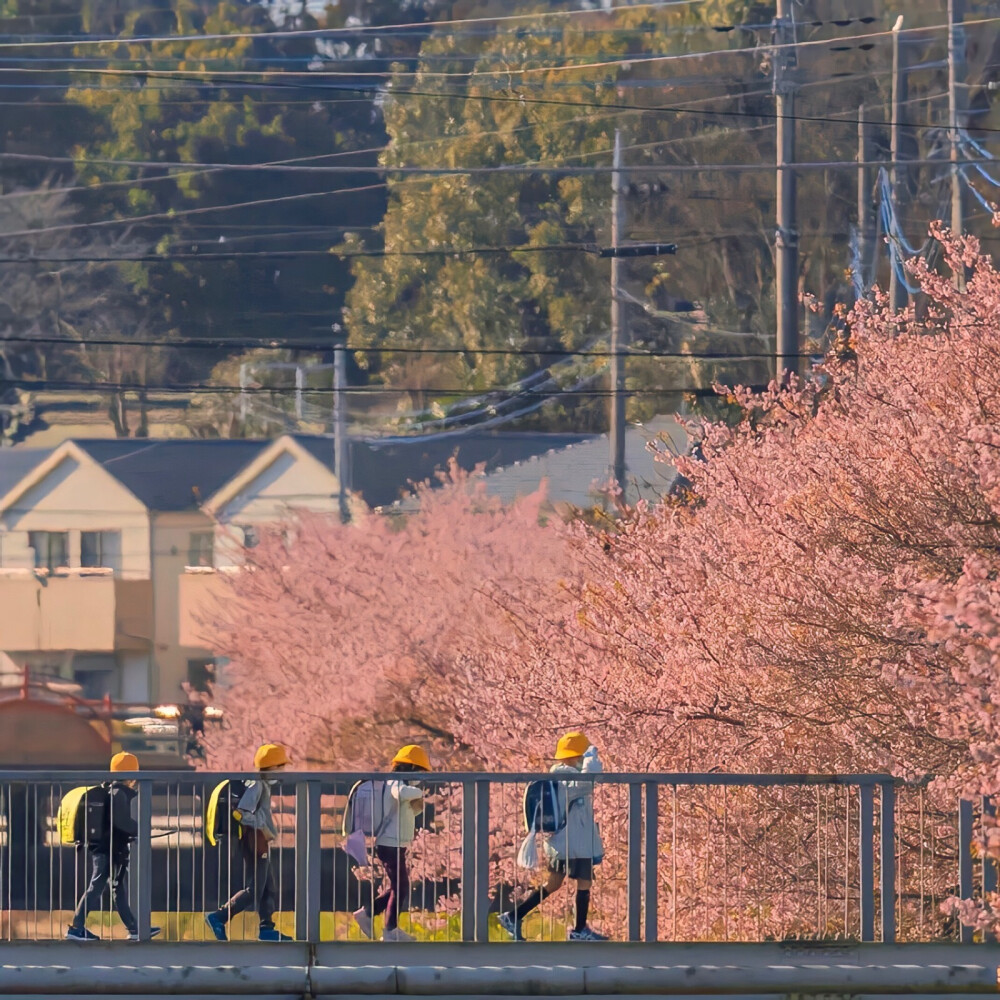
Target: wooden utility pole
x=787, y=236
x=957, y=99
x=619, y=335
x=898, y=297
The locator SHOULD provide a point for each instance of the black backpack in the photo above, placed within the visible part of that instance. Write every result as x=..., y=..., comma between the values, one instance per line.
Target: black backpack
x=219, y=820
x=85, y=815
x=544, y=806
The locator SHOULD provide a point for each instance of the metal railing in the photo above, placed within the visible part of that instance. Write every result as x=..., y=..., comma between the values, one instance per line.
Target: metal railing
x=720, y=857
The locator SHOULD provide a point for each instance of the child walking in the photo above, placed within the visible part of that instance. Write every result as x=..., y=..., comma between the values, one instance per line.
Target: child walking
x=574, y=849
x=401, y=802
x=109, y=856
x=258, y=832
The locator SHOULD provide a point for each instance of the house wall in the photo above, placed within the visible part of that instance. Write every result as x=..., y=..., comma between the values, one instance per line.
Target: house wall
x=79, y=495
x=171, y=544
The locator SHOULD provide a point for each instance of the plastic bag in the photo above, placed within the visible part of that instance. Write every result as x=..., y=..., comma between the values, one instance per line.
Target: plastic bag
x=527, y=855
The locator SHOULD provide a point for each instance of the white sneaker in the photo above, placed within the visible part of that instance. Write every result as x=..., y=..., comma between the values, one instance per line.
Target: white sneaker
x=396, y=934
x=587, y=934
x=364, y=921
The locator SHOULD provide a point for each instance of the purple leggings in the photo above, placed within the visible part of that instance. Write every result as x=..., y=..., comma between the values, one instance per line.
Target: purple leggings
x=398, y=894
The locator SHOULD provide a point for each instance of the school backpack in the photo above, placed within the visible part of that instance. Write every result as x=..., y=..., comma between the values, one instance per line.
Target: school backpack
x=364, y=813
x=544, y=806
x=220, y=819
x=83, y=817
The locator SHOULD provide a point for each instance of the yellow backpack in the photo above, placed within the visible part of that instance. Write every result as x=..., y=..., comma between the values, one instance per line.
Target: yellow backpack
x=83, y=815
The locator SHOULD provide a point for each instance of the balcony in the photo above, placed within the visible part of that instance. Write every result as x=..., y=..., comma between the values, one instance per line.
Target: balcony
x=76, y=610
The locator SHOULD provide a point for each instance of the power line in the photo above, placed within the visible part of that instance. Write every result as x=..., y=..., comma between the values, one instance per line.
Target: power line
x=51, y=385
x=425, y=26
x=257, y=343
x=504, y=71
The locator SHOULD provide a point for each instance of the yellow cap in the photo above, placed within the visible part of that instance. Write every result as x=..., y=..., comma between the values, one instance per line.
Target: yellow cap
x=270, y=755
x=124, y=762
x=571, y=745
x=412, y=754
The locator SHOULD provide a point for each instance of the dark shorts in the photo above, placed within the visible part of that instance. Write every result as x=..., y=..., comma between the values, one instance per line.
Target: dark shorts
x=578, y=868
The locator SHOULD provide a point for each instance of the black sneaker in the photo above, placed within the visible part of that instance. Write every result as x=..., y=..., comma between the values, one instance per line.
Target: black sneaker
x=80, y=934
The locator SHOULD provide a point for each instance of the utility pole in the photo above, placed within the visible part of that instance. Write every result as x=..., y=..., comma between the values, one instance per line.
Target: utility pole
x=866, y=215
x=787, y=236
x=956, y=107
x=341, y=464
x=618, y=332
x=898, y=297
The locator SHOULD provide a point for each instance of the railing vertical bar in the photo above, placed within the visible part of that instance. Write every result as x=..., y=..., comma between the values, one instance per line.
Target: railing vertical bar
x=635, y=861
x=468, y=861
x=887, y=860
x=482, y=854
x=965, y=832
x=651, y=891
x=866, y=860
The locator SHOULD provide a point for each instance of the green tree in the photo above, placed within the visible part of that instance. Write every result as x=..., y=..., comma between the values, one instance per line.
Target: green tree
x=671, y=81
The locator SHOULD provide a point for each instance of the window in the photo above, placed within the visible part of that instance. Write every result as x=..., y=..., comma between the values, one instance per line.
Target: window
x=100, y=548
x=51, y=549
x=200, y=548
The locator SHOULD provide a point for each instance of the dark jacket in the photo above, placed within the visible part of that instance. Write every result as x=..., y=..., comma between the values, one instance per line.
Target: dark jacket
x=122, y=824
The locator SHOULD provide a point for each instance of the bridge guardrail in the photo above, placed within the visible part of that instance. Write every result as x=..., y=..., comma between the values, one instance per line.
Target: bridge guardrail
x=725, y=857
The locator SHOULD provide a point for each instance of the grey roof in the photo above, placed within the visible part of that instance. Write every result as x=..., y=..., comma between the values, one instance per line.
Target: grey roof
x=173, y=474
x=576, y=474
x=16, y=463
x=382, y=469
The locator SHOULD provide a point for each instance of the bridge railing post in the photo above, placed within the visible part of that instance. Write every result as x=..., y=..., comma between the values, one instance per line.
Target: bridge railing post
x=965, y=860
x=141, y=889
x=635, y=861
x=308, y=860
x=866, y=860
x=652, y=857
x=887, y=859
x=468, y=861
x=482, y=858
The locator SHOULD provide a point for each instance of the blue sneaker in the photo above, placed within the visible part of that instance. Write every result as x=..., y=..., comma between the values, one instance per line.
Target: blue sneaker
x=80, y=934
x=272, y=934
x=218, y=925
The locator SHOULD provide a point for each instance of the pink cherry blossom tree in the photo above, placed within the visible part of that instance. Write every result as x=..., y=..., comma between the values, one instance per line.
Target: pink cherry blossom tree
x=823, y=598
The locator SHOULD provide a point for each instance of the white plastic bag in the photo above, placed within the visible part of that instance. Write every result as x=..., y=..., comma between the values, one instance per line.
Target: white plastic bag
x=527, y=855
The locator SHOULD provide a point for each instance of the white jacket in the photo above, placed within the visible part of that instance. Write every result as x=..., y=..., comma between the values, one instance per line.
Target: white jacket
x=400, y=804
x=580, y=837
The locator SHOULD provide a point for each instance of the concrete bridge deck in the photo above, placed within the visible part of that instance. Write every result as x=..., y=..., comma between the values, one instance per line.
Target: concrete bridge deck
x=467, y=970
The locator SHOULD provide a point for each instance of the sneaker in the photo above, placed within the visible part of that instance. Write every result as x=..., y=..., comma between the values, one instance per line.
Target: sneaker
x=218, y=925
x=396, y=934
x=511, y=926
x=272, y=934
x=364, y=921
x=153, y=932
x=585, y=935
x=80, y=934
